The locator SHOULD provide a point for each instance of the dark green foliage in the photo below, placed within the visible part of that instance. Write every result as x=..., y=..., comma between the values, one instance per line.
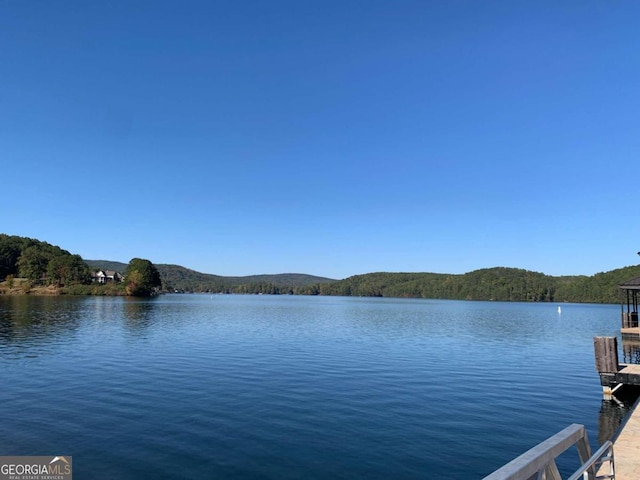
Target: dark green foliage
x=66, y=269
x=10, y=249
x=599, y=288
x=106, y=265
x=504, y=284
x=141, y=278
x=500, y=283
x=40, y=262
x=33, y=263
x=177, y=278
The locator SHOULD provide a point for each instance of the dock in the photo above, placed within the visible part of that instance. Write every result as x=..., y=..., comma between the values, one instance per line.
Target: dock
x=613, y=374
x=630, y=327
x=618, y=458
x=540, y=461
x=626, y=446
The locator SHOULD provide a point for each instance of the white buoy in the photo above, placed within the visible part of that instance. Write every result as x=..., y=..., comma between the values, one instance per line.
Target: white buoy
x=559, y=310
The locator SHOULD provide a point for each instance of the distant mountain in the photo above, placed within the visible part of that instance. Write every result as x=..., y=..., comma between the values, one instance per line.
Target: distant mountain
x=45, y=264
x=176, y=277
x=106, y=265
x=498, y=283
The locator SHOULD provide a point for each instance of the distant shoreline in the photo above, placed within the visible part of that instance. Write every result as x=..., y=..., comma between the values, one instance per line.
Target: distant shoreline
x=54, y=291
x=49, y=290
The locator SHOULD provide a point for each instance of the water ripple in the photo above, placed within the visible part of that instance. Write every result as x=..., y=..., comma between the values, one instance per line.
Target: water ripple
x=292, y=387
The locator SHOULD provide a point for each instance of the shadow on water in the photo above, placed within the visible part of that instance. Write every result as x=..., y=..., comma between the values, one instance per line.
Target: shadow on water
x=38, y=320
x=139, y=315
x=630, y=351
x=613, y=412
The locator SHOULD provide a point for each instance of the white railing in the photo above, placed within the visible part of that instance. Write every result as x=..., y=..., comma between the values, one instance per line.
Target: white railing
x=539, y=463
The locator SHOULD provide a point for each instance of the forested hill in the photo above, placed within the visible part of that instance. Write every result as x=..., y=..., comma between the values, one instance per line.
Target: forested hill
x=39, y=262
x=176, y=277
x=45, y=264
x=107, y=265
x=500, y=283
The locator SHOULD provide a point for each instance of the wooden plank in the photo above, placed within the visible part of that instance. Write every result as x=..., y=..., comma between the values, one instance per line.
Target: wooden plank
x=629, y=374
x=626, y=446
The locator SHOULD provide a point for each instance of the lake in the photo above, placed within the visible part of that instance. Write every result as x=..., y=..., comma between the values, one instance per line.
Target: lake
x=284, y=387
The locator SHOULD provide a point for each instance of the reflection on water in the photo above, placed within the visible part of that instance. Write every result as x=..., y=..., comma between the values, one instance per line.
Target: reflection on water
x=612, y=412
x=295, y=387
x=630, y=351
x=138, y=314
x=29, y=324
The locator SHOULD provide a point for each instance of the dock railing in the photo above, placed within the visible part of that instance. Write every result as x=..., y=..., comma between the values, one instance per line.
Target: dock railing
x=540, y=462
x=597, y=461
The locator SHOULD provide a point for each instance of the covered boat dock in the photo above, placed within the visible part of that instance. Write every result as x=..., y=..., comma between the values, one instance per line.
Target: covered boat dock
x=629, y=306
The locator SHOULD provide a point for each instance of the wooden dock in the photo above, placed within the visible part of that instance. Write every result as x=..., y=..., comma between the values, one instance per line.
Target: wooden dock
x=626, y=442
x=628, y=374
x=613, y=374
x=626, y=446
x=616, y=459
x=632, y=333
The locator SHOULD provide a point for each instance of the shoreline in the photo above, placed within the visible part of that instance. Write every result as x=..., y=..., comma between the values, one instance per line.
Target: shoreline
x=49, y=290
x=54, y=291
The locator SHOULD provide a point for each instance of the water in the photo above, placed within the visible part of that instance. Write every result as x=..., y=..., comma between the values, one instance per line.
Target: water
x=244, y=387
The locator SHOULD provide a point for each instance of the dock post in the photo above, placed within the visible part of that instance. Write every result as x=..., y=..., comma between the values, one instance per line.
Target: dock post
x=606, y=351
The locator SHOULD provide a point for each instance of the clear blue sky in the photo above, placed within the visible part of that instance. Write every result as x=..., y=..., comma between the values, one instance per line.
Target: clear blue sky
x=324, y=137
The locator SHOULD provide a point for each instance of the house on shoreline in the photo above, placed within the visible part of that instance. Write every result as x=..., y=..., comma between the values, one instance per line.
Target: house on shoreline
x=103, y=277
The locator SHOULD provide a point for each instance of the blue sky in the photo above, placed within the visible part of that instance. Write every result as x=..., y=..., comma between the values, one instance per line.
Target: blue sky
x=332, y=138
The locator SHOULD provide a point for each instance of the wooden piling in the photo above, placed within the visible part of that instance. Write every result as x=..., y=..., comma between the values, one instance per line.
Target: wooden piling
x=606, y=349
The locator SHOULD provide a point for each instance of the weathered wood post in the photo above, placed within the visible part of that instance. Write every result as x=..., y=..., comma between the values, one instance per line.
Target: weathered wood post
x=606, y=350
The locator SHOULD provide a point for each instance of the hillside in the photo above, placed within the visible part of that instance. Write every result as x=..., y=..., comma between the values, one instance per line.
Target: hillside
x=39, y=263
x=176, y=277
x=26, y=263
x=499, y=283
x=107, y=265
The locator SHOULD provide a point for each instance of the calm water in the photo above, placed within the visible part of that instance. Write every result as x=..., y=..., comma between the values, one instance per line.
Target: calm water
x=244, y=387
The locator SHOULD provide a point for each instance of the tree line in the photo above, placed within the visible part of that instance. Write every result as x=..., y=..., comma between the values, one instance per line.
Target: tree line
x=499, y=283
x=42, y=264
x=178, y=278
